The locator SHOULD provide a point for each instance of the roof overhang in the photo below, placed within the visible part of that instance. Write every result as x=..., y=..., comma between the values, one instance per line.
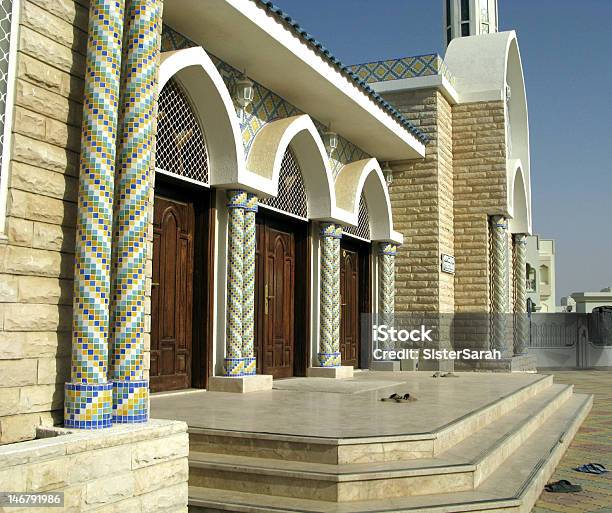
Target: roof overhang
x=248, y=38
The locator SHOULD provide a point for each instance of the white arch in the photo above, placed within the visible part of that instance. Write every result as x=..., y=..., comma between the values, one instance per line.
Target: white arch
x=213, y=104
x=266, y=156
x=366, y=176
x=520, y=213
x=486, y=68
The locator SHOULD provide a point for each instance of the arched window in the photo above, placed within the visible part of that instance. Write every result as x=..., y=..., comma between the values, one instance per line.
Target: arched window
x=181, y=148
x=291, y=198
x=531, y=279
x=362, y=230
x=544, y=274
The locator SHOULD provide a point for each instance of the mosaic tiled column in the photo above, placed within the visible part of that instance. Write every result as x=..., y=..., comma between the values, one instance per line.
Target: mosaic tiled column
x=88, y=400
x=248, y=300
x=137, y=138
x=233, y=363
x=499, y=282
x=386, y=296
x=520, y=293
x=329, y=355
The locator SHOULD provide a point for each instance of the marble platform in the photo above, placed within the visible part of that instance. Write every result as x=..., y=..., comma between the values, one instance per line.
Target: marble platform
x=477, y=442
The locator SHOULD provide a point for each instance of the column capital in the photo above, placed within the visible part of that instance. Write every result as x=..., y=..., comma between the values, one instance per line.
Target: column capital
x=252, y=203
x=499, y=221
x=331, y=230
x=387, y=248
x=236, y=198
x=520, y=238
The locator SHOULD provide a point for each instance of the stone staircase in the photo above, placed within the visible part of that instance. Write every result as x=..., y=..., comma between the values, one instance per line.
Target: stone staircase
x=495, y=459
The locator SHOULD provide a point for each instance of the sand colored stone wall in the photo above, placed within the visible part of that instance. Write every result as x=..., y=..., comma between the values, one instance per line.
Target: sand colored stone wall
x=479, y=165
x=129, y=468
x=36, y=258
x=422, y=200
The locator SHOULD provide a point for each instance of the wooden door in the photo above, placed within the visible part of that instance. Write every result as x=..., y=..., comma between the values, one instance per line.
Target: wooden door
x=172, y=294
x=349, y=306
x=275, y=297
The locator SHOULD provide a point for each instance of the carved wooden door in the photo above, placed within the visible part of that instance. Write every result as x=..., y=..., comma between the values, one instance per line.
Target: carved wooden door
x=172, y=294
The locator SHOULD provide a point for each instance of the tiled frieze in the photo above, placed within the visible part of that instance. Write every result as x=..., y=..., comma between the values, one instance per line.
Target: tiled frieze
x=88, y=401
x=136, y=147
x=405, y=67
x=266, y=106
x=329, y=355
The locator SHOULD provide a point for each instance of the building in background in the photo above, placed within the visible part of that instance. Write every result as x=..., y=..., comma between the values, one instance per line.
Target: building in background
x=585, y=302
x=541, y=274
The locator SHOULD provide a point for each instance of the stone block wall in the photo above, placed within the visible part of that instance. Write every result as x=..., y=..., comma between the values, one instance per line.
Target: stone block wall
x=129, y=468
x=36, y=257
x=422, y=200
x=479, y=166
x=479, y=162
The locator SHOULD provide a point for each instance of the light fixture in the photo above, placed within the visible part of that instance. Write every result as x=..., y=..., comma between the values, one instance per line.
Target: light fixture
x=330, y=139
x=243, y=93
x=388, y=173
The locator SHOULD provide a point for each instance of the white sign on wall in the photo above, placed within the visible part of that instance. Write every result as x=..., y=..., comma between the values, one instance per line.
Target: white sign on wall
x=448, y=264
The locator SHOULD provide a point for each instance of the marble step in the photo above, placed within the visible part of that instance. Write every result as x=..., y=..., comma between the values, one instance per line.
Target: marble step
x=362, y=450
x=462, y=468
x=512, y=488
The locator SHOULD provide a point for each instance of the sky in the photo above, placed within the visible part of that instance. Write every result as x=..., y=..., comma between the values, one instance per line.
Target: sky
x=567, y=60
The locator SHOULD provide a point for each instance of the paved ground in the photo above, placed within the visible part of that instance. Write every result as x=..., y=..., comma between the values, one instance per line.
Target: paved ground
x=593, y=443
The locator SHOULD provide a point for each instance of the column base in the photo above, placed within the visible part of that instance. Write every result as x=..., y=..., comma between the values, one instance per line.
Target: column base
x=340, y=372
x=88, y=405
x=130, y=402
x=240, y=384
x=386, y=366
x=233, y=367
x=329, y=359
x=249, y=366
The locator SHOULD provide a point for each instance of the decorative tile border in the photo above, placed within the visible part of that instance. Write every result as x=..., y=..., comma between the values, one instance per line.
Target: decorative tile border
x=405, y=67
x=267, y=106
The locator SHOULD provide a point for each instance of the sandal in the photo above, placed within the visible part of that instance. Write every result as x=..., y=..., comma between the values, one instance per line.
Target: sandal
x=592, y=468
x=563, y=486
x=392, y=397
x=406, y=398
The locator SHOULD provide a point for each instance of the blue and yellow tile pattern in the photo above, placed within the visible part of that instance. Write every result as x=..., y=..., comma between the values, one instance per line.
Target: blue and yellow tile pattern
x=405, y=67
x=88, y=402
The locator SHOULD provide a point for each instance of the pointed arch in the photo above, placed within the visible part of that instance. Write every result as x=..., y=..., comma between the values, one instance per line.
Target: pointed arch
x=267, y=153
x=366, y=176
x=213, y=105
x=520, y=213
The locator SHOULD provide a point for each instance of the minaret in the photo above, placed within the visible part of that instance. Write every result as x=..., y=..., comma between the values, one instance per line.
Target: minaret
x=469, y=18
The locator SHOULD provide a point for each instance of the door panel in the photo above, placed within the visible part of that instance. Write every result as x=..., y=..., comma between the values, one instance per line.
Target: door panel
x=275, y=297
x=172, y=294
x=349, y=309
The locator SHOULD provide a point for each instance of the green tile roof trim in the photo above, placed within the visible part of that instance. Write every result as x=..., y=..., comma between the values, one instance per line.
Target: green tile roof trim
x=405, y=67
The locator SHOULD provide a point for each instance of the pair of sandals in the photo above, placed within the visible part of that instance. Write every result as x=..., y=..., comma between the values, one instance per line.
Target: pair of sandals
x=438, y=374
x=406, y=398
x=592, y=468
x=563, y=486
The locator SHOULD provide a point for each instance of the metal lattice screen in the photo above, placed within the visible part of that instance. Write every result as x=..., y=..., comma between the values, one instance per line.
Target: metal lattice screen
x=362, y=230
x=291, y=191
x=181, y=148
x=6, y=7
